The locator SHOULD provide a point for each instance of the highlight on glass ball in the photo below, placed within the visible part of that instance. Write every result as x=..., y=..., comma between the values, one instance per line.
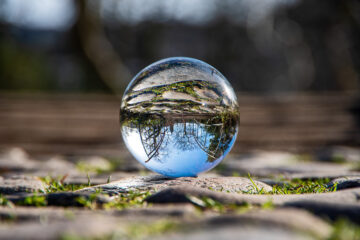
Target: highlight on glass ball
x=179, y=117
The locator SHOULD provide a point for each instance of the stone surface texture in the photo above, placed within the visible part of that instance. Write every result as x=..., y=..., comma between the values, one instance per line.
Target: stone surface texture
x=20, y=184
x=157, y=182
x=345, y=182
x=264, y=164
x=233, y=207
x=181, y=194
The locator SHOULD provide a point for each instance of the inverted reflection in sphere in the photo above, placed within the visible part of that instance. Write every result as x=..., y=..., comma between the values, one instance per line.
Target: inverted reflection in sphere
x=179, y=117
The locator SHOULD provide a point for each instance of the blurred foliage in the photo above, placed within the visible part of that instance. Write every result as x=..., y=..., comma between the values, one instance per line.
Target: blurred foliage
x=261, y=46
x=22, y=68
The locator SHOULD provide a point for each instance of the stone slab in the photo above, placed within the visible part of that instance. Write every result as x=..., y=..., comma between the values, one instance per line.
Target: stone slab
x=158, y=182
x=339, y=154
x=269, y=164
x=244, y=231
x=330, y=210
x=345, y=182
x=181, y=194
x=258, y=224
x=53, y=213
x=20, y=184
x=90, y=226
x=16, y=160
x=64, y=199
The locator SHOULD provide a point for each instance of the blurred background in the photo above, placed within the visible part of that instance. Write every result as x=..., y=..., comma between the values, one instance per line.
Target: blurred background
x=294, y=63
x=263, y=46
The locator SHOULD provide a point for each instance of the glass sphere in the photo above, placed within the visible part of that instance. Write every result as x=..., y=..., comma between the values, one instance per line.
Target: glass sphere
x=179, y=117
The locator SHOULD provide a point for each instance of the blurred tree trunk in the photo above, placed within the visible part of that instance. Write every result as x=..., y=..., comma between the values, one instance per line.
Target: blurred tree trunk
x=97, y=48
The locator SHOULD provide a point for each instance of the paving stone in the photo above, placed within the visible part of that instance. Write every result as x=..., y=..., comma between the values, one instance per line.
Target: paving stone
x=85, y=226
x=181, y=194
x=245, y=231
x=56, y=165
x=292, y=219
x=339, y=154
x=20, y=184
x=29, y=213
x=334, y=205
x=259, y=224
x=23, y=214
x=15, y=159
x=124, y=162
x=95, y=163
x=322, y=175
x=64, y=199
x=96, y=179
x=268, y=164
x=257, y=162
x=178, y=211
x=345, y=183
x=331, y=210
x=157, y=182
x=297, y=219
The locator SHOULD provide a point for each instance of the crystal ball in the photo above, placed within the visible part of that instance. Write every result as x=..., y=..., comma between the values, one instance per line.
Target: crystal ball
x=179, y=117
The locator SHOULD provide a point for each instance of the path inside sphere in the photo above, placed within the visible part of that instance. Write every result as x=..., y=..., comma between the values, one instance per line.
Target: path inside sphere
x=190, y=96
